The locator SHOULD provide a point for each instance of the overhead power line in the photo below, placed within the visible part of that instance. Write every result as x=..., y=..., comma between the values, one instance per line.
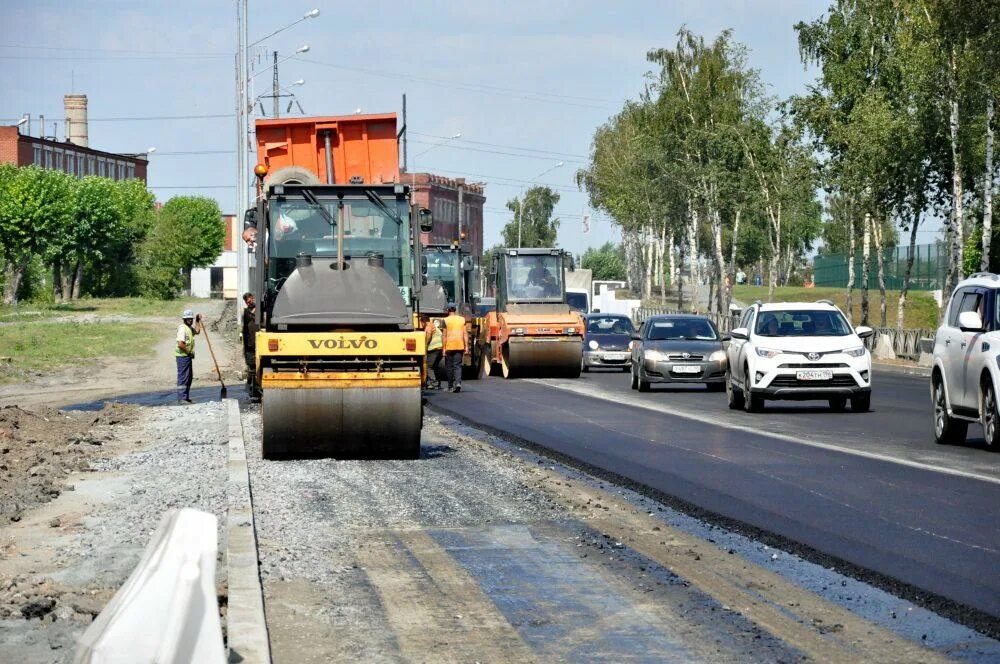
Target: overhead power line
x=142, y=118
x=508, y=154
x=89, y=49
x=508, y=147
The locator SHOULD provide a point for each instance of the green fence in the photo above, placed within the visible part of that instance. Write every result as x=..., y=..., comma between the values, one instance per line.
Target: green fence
x=930, y=265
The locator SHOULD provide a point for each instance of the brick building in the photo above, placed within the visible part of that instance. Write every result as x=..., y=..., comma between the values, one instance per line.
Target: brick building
x=440, y=195
x=72, y=155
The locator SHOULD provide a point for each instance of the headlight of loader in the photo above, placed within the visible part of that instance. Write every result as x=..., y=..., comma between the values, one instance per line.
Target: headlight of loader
x=856, y=352
x=593, y=345
x=767, y=352
x=717, y=356
x=569, y=330
x=517, y=331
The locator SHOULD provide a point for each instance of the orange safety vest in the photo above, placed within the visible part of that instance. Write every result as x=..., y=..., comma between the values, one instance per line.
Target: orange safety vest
x=454, y=332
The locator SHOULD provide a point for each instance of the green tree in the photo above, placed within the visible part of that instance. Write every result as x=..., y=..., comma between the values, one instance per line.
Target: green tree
x=113, y=274
x=533, y=223
x=188, y=232
x=607, y=262
x=36, y=209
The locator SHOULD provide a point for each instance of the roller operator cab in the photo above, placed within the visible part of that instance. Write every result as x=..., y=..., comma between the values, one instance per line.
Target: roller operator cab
x=533, y=331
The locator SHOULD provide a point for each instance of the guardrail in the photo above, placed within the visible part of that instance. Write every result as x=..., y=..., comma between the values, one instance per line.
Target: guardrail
x=906, y=342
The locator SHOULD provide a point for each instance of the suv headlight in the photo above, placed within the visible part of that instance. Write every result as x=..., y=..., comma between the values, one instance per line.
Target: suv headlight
x=593, y=345
x=767, y=352
x=717, y=356
x=856, y=352
x=655, y=355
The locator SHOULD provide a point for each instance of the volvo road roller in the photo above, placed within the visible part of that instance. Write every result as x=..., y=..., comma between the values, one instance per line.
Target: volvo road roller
x=336, y=274
x=533, y=331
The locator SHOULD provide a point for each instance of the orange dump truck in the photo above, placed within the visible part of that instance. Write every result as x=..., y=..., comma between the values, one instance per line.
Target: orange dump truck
x=336, y=275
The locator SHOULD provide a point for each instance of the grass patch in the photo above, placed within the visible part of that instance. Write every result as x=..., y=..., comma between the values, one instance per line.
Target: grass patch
x=921, y=309
x=129, y=306
x=40, y=347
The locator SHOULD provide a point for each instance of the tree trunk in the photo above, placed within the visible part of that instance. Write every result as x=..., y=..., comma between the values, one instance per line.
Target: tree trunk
x=720, y=262
x=850, y=270
x=673, y=260
x=772, y=276
x=56, y=282
x=866, y=255
x=984, y=263
x=647, y=254
x=789, y=265
x=67, y=274
x=736, y=234
x=901, y=305
x=77, y=281
x=695, y=277
x=957, y=230
x=880, y=261
x=13, y=275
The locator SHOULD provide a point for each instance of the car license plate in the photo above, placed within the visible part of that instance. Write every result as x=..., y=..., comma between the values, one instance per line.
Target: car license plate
x=814, y=374
x=686, y=369
x=616, y=356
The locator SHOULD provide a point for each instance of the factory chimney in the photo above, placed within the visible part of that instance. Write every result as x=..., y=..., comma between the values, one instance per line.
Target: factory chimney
x=76, y=119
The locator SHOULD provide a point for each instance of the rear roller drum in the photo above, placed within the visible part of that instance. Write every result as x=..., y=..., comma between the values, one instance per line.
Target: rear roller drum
x=541, y=359
x=341, y=423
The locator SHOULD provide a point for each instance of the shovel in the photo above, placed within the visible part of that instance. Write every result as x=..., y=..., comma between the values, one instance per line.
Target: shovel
x=222, y=392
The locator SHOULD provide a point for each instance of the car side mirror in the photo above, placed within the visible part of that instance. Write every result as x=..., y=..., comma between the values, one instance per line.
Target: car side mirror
x=423, y=266
x=635, y=336
x=426, y=220
x=726, y=337
x=740, y=333
x=970, y=321
x=863, y=331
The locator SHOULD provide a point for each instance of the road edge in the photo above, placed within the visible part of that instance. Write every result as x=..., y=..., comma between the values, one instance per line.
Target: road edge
x=246, y=628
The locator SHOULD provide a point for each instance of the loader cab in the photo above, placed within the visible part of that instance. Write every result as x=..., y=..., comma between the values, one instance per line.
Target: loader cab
x=529, y=276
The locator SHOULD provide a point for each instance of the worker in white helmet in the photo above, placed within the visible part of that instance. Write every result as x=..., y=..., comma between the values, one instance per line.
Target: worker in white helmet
x=184, y=354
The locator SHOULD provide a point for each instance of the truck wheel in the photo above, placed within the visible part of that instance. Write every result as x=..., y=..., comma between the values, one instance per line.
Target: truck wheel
x=291, y=175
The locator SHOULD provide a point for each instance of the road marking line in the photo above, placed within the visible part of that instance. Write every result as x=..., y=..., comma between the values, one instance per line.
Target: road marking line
x=245, y=623
x=436, y=609
x=628, y=400
x=822, y=630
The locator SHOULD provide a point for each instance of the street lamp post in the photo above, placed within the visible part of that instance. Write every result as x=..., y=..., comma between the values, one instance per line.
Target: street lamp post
x=520, y=206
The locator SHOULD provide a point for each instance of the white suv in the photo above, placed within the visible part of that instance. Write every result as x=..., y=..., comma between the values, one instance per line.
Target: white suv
x=964, y=379
x=798, y=351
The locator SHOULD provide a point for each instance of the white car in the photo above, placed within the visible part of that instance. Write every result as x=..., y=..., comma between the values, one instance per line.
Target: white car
x=798, y=351
x=965, y=377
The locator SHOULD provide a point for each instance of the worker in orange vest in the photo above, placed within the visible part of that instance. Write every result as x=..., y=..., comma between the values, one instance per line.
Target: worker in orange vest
x=454, y=348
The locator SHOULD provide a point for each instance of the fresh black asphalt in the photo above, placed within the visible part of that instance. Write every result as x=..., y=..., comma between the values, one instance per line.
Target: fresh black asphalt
x=930, y=530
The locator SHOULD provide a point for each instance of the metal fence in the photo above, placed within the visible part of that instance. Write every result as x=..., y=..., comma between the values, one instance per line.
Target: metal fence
x=930, y=264
x=906, y=343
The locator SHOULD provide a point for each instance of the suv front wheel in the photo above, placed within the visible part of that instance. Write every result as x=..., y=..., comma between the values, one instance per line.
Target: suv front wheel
x=947, y=429
x=989, y=415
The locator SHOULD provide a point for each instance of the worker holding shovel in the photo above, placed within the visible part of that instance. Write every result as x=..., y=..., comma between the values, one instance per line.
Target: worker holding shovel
x=184, y=354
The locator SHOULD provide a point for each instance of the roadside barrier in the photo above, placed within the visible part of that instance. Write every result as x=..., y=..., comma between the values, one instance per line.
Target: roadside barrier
x=167, y=610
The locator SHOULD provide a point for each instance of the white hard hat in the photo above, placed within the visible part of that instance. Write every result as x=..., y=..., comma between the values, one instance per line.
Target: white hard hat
x=187, y=313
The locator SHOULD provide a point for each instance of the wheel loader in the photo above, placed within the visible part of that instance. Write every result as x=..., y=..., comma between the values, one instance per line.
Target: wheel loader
x=533, y=332
x=336, y=274
x=453, y=269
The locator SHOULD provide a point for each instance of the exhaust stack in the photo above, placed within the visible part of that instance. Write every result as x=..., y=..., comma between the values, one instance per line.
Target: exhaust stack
x=76, y=119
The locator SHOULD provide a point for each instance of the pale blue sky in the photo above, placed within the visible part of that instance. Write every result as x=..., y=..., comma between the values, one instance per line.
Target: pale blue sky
x=508, y=76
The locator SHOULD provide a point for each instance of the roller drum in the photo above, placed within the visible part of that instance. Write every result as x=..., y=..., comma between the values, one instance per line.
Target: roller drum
x=341, y=423
x=545, y=358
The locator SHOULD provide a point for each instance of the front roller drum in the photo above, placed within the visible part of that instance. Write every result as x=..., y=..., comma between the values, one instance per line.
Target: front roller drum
x=542, y=358
x=341, y=422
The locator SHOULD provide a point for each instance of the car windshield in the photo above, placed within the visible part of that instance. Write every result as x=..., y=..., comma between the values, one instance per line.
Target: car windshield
x=802, y=323
x=700, y=329
x=534, y=278
x=298, y=227
x=609, y=325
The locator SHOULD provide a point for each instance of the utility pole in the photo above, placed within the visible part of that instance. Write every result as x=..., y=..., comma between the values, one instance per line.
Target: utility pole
x=274, y=86
x=406, y=161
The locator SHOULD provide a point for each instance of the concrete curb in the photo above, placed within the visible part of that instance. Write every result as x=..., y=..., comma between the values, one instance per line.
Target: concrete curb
x=898, y=369
x=245, y=625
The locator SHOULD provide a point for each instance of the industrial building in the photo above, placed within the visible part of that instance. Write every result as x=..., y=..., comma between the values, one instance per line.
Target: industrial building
x=73, y=154
x=441, y=196
x=219, y=280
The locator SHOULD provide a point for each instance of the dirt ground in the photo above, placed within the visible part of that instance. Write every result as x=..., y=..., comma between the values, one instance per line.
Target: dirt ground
x=111, y=377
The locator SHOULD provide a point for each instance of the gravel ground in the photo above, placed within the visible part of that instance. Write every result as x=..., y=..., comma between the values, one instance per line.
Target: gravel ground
x=172, y=457
x=454, y=487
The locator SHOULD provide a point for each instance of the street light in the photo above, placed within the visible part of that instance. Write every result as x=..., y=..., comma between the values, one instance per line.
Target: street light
x=301, y=49
x=439, y=144
x=520, y=206
x=151, y=150
x=311, y=14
